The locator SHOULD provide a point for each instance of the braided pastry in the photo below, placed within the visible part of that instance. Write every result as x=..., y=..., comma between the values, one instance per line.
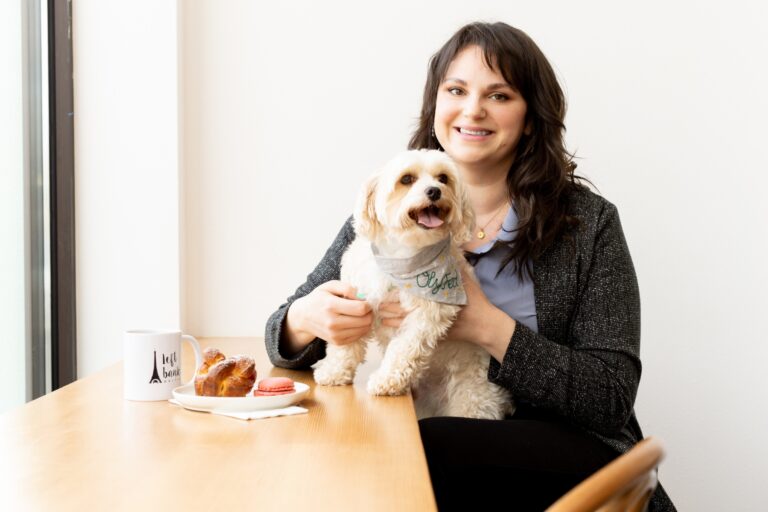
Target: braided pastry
x=211, y=356
x=224, y=376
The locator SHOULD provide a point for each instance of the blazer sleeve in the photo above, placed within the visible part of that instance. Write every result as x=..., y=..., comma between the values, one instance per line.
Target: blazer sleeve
x=328, y=269
x=593, y=377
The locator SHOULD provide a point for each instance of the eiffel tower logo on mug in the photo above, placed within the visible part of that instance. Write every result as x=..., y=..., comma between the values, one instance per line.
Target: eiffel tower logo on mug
x=155, y=376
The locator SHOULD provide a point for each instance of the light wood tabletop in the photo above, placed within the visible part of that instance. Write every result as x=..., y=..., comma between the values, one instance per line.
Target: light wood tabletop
x=83, y=447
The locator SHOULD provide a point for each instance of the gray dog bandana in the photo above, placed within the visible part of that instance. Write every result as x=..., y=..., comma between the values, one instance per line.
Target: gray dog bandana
x=432, y=273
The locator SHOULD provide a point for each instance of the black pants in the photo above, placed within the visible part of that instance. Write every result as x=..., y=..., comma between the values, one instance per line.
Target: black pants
x=520, y=463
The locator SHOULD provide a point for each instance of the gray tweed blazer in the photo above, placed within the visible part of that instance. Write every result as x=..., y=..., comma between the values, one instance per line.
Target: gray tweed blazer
x=584, y=363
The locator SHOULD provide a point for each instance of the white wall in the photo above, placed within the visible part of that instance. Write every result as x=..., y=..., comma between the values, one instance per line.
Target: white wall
x=13, y=296
x=126, y=173
x=286, y=108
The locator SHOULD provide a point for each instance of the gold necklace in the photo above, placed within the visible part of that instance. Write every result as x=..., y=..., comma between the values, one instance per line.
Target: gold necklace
x=481, y=233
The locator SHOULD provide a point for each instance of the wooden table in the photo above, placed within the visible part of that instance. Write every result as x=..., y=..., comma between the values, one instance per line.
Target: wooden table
x=84, y=448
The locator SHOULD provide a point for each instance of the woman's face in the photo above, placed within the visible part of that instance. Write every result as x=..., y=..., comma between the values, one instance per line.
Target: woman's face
x=479, y=118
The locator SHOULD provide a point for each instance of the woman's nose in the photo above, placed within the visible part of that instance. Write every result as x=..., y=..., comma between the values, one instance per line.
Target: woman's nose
x=473, y=108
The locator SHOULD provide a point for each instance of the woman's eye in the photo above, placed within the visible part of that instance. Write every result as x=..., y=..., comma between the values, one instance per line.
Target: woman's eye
x=407, y=179
x=455, y=91
x=443, y=178
x=499, y=97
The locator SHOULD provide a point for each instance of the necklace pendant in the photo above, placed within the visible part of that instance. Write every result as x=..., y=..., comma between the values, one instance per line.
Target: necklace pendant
x=481, y=234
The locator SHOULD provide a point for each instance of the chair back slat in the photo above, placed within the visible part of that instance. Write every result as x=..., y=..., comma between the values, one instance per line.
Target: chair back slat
x=624, y=485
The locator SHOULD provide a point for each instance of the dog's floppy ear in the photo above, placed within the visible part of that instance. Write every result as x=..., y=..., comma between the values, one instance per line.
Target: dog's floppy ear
x=366, y=223
x=464, y=223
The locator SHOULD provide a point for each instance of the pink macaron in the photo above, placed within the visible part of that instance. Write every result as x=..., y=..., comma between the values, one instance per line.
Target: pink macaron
x=272, y=386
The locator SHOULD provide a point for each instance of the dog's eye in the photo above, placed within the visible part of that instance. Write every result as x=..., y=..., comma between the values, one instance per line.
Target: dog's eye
x=407, y=179
x=443, y=178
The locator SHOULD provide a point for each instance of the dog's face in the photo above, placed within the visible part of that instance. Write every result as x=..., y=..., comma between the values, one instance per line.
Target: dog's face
x=417, y=199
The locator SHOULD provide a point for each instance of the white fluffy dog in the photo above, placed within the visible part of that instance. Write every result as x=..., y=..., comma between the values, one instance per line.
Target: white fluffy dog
x=410, y=221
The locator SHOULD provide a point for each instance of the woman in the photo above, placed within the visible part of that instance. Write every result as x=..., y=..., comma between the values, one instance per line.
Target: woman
x=557, y=308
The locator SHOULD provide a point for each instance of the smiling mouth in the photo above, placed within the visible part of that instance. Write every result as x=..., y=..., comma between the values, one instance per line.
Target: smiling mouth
x=477, y=133
x=430, y=217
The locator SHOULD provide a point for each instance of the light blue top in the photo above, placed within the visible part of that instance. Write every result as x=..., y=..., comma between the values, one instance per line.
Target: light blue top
x=507, y=292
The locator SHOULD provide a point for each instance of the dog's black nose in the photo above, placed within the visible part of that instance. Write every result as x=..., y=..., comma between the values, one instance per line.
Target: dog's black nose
x=433, y=193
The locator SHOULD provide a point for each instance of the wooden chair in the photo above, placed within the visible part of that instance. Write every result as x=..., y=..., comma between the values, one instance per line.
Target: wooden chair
x=624, y=485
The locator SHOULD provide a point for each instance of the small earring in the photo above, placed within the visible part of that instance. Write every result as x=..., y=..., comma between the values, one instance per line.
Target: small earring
x=437, y=142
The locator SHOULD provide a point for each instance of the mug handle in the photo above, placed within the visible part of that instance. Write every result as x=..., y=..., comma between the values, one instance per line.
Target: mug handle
x=198, y=354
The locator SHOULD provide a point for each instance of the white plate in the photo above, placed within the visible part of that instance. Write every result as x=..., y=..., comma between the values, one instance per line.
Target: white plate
x=186, y=396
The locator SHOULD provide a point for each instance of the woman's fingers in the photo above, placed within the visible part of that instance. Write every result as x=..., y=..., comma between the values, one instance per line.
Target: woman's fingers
x=392, y=322
x=345, y=336
x=392, y=314
x=345, y=317
x=392, y=309
x=338, y=289
x=341, y=322
x=349, y=307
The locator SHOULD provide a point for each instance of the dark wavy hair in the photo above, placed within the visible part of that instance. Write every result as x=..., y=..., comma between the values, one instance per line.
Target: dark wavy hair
x=542, y=175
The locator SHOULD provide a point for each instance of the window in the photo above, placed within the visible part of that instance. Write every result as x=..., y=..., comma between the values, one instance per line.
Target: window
x=36, y=201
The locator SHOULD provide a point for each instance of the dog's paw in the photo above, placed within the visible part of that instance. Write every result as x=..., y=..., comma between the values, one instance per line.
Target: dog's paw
x=382, y=384
x=327, y=376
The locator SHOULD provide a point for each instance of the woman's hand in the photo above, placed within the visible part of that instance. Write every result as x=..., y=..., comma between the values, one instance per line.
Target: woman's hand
x=473, y=317
x=332, y=311
x=481, y=322
x=392, y=314
x=471, y=320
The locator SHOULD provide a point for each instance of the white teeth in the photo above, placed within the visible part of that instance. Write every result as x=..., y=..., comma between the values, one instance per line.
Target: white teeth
x=473, y=132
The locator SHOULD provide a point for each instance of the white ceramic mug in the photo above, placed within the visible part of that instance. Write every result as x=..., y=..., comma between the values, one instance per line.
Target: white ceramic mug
x=152, y=363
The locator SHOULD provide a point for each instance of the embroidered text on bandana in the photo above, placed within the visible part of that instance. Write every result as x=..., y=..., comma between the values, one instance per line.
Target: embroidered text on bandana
x=432, y=273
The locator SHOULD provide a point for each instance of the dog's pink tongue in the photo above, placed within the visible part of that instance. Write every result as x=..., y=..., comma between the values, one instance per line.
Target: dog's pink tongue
x=427, y=219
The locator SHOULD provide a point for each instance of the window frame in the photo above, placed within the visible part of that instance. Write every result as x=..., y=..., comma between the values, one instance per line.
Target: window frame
x=62, y=196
